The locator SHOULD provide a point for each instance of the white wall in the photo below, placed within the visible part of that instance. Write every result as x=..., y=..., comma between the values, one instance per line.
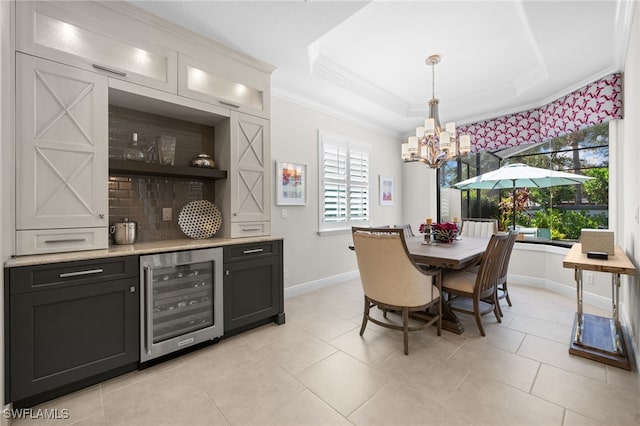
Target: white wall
x=540, y=265
x=628, y=190
x=309, y=259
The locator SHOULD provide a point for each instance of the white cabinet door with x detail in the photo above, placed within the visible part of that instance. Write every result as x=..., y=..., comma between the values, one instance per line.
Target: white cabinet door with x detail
x=61, y=146
x=250, y=164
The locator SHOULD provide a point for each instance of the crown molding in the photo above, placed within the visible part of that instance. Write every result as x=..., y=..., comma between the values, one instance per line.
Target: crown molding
x=328, y=70
x=361, y=121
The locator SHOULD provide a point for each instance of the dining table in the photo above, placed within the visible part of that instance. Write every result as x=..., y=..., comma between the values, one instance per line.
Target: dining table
x=448, y=257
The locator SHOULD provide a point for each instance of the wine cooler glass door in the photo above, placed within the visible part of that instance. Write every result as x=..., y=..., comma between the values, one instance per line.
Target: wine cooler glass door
x=183, y=302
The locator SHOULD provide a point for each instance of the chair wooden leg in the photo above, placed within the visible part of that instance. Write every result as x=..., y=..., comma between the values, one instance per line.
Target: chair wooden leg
x=476, y=312
x=496, y=311
x=506, y=294
x=365, y=315
x=405, y=329
x=439, y=326
x=497, y=302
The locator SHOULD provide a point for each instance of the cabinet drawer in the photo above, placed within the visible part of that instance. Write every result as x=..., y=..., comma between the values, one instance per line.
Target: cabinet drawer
x=90, y=36
x=250, y=229
x=41, y=241
x=251, y=251
x=58, y=275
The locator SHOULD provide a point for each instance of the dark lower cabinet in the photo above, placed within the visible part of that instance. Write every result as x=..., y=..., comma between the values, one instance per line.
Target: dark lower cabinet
x=69, y=323
x=253, y=286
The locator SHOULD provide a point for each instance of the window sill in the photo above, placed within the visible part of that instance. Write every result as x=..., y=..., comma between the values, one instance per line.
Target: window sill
x=328, y=232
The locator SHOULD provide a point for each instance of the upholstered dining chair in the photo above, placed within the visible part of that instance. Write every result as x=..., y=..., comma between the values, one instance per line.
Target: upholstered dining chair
x=475, y=292
x=393, y=282
x=479, y=227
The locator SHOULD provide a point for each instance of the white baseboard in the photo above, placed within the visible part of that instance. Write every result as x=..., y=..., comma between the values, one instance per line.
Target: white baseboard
x=310, y=286
x=570, y=291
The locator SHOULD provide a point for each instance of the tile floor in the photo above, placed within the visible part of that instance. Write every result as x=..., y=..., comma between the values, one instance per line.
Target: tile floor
x=317, y=370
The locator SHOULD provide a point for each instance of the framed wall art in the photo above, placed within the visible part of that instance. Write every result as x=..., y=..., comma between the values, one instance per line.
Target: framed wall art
x=386, y=191
x=291, y=184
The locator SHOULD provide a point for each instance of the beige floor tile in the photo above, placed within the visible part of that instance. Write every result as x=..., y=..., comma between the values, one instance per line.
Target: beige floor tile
x=588, y=397
x=574, y=419
x=560, y=333
x=327, y=326
x=396, y=404
x=126, y=380
x=489, y=402
x=371, y=348
x=557, y=354
x=297, y=351
x=498, y=335
x=245, y=393
x=78, y=405
x=167, y=398
x=94, y=420
x=436, y=347
x=303, y=409
x=261, y=336
x=432, y=377
x=496, y=363
x=342, y=381
x=623, y=379
x=224, y=357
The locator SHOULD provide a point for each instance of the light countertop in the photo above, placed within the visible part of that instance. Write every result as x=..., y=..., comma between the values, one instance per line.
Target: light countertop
x=132, y=249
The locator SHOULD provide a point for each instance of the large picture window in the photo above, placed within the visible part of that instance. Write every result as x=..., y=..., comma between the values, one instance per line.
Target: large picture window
x=344, y=183
x=556, y=213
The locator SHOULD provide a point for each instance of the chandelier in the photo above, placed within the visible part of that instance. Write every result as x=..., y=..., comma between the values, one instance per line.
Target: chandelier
x=432, y=144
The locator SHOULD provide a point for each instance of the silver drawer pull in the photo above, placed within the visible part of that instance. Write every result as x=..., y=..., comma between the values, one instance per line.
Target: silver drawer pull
x=229, y=104
x=251, y=229
x=107, y=69
x=68, y=240
x=253, y=251
x=79, y=273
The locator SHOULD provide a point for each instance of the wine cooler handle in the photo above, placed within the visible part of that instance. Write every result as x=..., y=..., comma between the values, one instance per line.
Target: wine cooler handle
x=148, y=280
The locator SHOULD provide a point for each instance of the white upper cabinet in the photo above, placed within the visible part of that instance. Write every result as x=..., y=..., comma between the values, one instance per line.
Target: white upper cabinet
x=61, y=155
x=225, y=83
x=77, y=34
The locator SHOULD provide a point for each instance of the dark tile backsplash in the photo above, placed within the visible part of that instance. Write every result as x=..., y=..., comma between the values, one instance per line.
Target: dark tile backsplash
x=141, y=199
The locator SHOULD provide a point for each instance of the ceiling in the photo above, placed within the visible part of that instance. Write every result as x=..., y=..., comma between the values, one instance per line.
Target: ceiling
x=365, y=61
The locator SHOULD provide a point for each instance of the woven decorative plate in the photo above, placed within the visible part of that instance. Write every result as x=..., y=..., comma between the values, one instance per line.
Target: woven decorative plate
x=199, y=219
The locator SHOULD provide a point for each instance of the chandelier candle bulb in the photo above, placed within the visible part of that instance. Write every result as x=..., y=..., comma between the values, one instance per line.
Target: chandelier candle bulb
x=405, y=150
x=413, y=144
x=429, y=125
x=423, y=151
x=444, y=140
x=465, y=143
x=420, y=132
x=451, y=129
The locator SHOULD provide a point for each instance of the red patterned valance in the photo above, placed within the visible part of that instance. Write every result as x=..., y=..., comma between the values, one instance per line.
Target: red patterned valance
x=596, y=103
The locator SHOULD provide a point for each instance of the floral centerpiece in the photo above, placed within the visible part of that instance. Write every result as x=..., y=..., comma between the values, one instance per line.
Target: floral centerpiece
x=444, y=232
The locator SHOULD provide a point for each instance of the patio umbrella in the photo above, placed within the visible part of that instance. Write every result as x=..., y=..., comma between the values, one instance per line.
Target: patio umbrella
x=520, y=176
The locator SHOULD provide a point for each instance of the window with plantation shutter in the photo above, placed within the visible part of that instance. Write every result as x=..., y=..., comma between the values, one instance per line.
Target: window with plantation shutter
x=344, y=183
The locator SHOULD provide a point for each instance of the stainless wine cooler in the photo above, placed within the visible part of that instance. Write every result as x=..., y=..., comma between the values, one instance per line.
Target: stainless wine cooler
x=181, y=300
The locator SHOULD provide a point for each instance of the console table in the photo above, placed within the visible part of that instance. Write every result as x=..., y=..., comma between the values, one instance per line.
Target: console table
x=595, y=337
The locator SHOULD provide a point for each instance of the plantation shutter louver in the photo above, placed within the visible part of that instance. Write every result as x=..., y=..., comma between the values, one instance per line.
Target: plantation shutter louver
x=344, y=176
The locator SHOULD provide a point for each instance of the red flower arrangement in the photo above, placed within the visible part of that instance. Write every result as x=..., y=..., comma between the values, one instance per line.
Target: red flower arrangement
x=445, y=232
